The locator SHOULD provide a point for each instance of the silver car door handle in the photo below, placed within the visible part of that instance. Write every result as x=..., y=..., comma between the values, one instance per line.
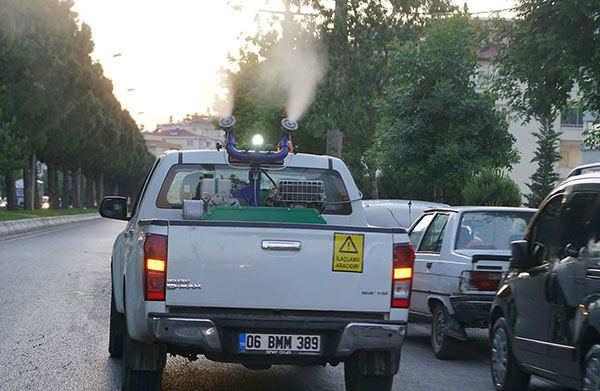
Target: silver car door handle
x=280, y=245
x=523, y=275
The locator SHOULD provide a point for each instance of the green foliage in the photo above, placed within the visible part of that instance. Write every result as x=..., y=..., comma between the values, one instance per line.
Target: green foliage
x=358, y=35
x=491, y=188
x=436, y=129
x=546, y=155
x=558, y=41
x=55, y=102
x=537, y=70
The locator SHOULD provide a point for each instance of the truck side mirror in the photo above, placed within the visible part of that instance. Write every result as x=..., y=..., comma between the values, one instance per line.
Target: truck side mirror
x=114, y=207
x=519, y=250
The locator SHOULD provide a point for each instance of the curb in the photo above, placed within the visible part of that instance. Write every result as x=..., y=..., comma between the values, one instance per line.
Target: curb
x=14, y=227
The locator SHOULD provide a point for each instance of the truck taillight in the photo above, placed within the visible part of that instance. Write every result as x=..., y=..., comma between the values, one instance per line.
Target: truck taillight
x=479, y=281
x=404, y=259
x=155, y=267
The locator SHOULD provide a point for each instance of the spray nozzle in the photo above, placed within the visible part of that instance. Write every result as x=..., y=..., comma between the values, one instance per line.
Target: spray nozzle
x=289, y=126
x=227, y=122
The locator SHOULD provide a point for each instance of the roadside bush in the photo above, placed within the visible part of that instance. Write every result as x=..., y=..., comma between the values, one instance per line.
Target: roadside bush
x=492, y=188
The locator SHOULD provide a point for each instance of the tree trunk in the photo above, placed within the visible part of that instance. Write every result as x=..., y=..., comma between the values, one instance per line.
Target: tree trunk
x=11, y=191
x=90, y=201
x=373, y=181
x=65, y=189
x=81, y=188
x=438, y=193
x=75, y=189
x=335, y=141
x=27, y=189
x=53, y=186
x=35, y=197
x=99, y=187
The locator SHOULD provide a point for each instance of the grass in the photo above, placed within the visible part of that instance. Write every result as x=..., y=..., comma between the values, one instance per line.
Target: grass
x=6, y=215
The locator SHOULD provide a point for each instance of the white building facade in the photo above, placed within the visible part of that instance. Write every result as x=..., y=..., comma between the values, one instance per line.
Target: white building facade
x=194, y=132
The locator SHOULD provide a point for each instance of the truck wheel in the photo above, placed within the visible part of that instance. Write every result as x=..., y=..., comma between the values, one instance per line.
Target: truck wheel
x=357, y=382
x=136, y=354
x=116, y=330
x=506, y=374
x=591, y=372
x=444, y=347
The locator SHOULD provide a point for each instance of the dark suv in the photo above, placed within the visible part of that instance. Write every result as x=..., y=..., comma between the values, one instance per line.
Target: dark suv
x=545, y=319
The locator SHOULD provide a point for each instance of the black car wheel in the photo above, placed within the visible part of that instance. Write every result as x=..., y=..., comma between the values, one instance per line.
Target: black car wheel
x=591, y=373
x=506, y=374
x=444, y=347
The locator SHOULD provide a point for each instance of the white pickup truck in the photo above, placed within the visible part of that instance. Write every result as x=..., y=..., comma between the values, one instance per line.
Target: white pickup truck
x=257, y=258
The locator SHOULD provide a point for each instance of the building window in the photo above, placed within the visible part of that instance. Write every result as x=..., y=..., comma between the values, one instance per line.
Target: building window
x=189, y=142
x=572, y=118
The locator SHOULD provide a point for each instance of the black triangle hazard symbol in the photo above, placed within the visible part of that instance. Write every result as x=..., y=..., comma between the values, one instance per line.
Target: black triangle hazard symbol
x=348, y=246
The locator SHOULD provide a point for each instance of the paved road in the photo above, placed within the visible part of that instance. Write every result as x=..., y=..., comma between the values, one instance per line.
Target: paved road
x=54, y=302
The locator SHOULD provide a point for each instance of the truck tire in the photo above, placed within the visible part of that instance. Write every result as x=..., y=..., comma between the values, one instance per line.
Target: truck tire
x=116, y=329
x=135, y=379
x=444, y=347
x=591, y=369
x=506, y=374
x=355, y=381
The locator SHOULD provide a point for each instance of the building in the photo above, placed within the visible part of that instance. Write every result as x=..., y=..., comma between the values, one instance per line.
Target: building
x=194, y=132
x=571, y=124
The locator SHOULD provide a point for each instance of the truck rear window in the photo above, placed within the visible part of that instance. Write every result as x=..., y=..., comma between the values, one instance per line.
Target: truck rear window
x=219, y=184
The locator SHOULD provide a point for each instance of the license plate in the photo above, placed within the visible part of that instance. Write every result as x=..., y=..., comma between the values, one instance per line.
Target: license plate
x=283, y=344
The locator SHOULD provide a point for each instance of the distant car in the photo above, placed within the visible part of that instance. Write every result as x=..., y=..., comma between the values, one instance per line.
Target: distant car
x=461, y=255
x=396, y=213
x=545, y=318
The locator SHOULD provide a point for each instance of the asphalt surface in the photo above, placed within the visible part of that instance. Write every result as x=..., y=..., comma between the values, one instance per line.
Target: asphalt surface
x=54, y=307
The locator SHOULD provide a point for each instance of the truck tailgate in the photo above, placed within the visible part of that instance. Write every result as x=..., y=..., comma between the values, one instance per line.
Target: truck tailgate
x=234, y=270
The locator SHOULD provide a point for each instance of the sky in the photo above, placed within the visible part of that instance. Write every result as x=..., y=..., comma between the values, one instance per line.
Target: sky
x=171, y=51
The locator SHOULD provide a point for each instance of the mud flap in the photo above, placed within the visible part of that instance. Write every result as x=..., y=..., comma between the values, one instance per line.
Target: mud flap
x=453, y=328
x=140, y=356
x=379, y=363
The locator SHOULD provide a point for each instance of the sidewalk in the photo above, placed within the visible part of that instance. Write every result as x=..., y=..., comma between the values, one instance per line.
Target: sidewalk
x=14, y=227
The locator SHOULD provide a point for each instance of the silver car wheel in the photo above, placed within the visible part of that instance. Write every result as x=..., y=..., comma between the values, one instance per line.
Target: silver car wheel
x=499, y=356
x=591, y=378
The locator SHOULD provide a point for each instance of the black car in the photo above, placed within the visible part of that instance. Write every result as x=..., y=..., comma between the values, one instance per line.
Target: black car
x=545, y=319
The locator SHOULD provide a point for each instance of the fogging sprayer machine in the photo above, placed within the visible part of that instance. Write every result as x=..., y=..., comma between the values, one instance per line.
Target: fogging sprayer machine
x=256, y=158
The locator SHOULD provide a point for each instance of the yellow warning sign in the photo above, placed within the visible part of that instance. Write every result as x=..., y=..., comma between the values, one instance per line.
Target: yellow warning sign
x=348, y=253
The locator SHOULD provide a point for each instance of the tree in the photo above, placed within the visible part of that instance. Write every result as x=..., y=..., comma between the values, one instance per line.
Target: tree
x=491, y=188
x=57, y=106
x=357, y=35
x=436, y=129
x=536, y=74
x=565, y=35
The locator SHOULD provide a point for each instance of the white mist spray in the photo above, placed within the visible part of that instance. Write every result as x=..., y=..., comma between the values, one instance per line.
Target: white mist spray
x=296, y=65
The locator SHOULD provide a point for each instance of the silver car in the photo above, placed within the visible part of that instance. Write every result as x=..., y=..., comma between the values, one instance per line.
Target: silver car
x=461, y=255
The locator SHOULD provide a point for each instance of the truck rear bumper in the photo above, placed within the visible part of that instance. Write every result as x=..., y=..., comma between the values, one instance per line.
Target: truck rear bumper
x=343, y=336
